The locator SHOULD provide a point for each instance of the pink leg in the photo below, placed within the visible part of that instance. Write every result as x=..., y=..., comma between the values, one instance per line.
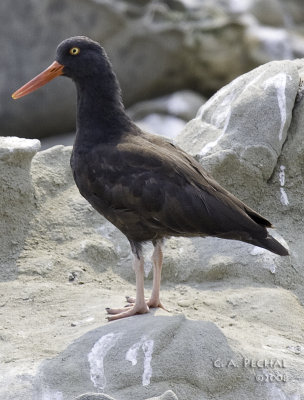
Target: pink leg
x=140, y=306
x=157, y=259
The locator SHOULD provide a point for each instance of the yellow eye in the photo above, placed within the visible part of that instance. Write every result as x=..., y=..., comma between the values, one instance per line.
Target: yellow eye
x=74, y=51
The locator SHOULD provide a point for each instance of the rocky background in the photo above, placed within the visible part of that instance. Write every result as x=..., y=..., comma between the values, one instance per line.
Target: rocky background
x=234, y=326
x=202, y=45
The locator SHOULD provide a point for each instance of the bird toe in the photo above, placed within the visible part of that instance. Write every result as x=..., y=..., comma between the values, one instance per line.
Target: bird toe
x=118, y=313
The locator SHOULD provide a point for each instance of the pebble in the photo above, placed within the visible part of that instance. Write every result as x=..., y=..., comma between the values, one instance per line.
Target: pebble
x=184, y=303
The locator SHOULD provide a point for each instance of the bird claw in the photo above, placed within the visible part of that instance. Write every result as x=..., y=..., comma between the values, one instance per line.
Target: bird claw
x=117, y=313
x=133, y=309
x=152, y=304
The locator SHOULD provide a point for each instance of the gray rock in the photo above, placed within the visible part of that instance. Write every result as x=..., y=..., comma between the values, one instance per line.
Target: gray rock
x=245, y=124
x=84, y=237
x=243, y=137
x=139, y=357
x=267, y=43
x=183, y=104
x=164, y=125
x=166, y=115
x=288, y=182
x=294, y=11
x=17, y=203
x=271, y=12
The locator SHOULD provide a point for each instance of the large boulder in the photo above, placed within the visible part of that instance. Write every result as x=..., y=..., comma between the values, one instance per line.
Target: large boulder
x=248, y=137
x=244, y=127
x=176, y=44
x=134, y=359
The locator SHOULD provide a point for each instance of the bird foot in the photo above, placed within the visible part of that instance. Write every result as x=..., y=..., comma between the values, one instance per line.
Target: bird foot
x=151, y=303
x=117, y=313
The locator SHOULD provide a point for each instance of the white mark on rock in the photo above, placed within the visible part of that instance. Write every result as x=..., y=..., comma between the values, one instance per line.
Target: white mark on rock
x=83, y=245
x=279, y=82
x=268, y=262
x=282, y=175
x=96, y=357
x=210, y=146
x=221, y=117
x=272, y=268
x=148, y=350
x=132, y=353
x=266, y=258
x=257, y=250
x=283, y=196
x=252, y=82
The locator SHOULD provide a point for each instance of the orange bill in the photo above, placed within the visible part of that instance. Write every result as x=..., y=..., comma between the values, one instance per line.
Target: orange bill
x=45, y=76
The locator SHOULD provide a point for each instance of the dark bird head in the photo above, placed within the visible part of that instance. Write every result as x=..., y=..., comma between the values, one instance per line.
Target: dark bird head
x=78, y=58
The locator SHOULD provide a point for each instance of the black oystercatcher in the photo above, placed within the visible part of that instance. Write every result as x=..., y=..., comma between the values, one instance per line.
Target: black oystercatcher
x=147, y=187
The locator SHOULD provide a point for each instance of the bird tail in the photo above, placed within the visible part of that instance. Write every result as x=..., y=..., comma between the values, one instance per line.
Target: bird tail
x=271, y=244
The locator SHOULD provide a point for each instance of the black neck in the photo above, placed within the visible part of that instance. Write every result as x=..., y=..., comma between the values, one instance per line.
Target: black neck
x=101, y=116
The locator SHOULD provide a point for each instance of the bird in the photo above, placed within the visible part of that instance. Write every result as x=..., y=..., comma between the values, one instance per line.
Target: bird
x=142, y=183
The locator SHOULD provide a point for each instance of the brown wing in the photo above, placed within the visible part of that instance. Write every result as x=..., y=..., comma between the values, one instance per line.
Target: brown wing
x=148, y=187
x=198, y=175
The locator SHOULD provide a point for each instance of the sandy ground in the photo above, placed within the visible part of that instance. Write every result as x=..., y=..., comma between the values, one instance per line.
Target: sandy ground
x=257, y=321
